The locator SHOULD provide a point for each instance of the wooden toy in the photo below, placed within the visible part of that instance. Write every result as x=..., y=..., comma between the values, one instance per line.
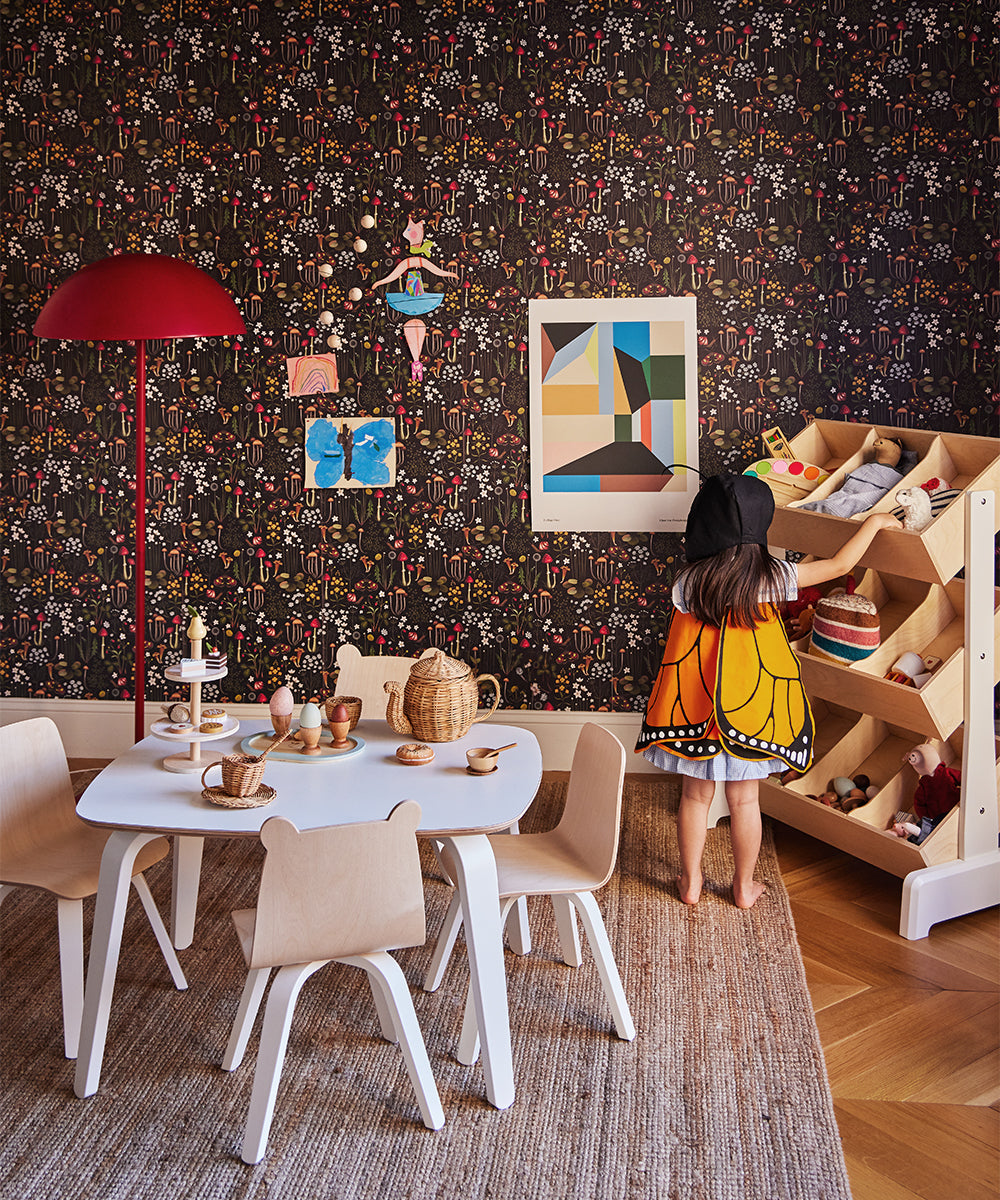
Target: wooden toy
x=198, y=726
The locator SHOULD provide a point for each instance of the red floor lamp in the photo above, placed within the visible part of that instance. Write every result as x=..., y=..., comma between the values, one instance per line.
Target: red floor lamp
x=135, y=298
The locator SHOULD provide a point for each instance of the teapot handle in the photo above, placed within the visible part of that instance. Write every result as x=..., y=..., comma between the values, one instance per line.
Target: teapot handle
x=496, y=703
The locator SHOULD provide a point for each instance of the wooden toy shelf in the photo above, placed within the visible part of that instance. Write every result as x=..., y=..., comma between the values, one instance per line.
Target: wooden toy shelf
x=865, y=723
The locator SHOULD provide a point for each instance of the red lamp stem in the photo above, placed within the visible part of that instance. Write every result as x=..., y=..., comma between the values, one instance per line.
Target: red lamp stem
x=140, y=539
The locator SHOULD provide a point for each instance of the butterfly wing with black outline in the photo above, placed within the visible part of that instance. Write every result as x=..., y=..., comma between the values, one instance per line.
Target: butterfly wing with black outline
x=760, y=704
x=680, y=713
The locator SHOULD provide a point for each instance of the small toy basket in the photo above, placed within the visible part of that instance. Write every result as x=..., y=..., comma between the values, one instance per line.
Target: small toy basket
x=351, y=703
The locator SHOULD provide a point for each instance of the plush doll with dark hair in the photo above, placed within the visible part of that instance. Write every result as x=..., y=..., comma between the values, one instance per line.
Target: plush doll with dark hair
x=865, y=485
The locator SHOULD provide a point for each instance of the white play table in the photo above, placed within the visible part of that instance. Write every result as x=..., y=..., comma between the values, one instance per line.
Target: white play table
x=141, y=801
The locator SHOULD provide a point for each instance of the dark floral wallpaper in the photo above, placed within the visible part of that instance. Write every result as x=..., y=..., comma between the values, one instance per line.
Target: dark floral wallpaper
x=822, y=176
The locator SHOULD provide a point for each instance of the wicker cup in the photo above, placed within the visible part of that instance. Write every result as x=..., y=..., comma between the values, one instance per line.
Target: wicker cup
x=241, y=773
x=351, y=703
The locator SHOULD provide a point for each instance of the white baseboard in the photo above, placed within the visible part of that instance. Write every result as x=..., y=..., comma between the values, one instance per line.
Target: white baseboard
x=104, y=728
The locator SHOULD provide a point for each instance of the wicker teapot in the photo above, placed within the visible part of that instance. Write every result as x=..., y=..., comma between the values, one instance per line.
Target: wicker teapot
x=439, y=700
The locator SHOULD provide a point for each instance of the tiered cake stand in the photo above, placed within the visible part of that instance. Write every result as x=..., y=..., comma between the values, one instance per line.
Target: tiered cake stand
x=194, y=760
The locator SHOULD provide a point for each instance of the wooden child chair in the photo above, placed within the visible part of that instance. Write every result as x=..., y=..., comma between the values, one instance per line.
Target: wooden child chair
x=568, y=863
x=347, y=894
x=45, y=845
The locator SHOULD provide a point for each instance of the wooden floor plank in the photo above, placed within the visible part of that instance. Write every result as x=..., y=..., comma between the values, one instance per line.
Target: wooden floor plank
x=883, y=1010
x=976, y=1084
x=950, y=1031
x=879, y=954
x=829, y=986
x=899, y=1147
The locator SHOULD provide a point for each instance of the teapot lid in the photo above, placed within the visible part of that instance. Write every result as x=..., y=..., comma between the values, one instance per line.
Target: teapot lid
x=439, y=668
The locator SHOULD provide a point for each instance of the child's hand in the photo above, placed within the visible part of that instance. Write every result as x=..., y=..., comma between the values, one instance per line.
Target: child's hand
x=879, y=521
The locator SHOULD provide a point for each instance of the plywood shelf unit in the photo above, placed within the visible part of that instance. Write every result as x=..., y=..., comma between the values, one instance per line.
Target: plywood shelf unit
x=865, y=723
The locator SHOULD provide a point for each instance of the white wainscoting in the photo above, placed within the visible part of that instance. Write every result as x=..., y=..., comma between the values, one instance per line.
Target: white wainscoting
x=103, y=728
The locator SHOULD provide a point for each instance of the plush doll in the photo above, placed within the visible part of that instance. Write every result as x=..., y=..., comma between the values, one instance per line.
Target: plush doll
x=916, y=506
x=865, y=485
x=938, y=792
x=797, y=614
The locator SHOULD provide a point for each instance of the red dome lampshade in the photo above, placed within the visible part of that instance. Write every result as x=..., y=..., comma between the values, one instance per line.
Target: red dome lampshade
x=136, y=298
x=133, y=297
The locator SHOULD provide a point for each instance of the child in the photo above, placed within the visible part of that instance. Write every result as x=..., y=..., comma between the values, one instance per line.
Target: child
x=728, y=703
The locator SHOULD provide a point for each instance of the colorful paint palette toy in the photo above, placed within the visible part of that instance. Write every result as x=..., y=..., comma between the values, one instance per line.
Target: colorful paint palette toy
x=788, y=478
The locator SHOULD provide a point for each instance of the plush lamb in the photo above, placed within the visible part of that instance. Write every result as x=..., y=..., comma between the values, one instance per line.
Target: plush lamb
x=916, y=505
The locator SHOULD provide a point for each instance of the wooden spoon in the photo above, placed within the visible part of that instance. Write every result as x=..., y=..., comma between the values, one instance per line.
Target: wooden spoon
x=509, y=746
x=277, y=742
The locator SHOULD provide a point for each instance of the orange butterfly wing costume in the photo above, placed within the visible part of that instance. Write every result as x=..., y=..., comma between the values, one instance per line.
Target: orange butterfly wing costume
x=729, y=689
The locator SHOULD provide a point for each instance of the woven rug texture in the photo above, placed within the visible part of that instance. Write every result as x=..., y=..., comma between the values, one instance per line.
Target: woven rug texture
x=723, y=1094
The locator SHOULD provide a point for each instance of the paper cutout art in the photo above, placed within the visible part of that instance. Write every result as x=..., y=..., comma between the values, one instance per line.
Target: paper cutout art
x=413, y=300
x=415, y=331
x=312, y=373
x=350, y=452
x=614, y=410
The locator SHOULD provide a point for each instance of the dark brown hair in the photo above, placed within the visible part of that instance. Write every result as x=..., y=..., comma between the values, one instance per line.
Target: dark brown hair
x=738, y=583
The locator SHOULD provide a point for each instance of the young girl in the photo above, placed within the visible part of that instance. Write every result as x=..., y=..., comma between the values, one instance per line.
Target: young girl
x=728, y=702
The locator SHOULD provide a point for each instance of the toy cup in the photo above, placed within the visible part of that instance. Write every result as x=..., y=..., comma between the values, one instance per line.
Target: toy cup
x=241, y=774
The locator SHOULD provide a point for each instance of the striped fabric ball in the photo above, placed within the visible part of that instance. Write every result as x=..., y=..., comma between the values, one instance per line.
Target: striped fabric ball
x=845, y=629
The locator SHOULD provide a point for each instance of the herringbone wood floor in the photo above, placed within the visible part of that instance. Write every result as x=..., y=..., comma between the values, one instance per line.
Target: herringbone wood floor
x=910, y=1030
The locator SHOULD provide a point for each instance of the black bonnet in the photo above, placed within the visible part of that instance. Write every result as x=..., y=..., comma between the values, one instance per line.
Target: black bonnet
x=729, y=510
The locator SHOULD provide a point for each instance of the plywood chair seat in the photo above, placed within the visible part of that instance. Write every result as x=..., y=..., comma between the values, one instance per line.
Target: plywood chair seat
x=68, y=864
x=44, y=845
x=347, y=894
x=568, y=864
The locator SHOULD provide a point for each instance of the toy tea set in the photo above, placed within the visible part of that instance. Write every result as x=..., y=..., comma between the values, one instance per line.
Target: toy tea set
x=437, y=703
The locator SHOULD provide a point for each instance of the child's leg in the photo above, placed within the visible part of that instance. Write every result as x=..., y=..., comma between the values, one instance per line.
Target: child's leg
x=745, y=834
x=692, y=828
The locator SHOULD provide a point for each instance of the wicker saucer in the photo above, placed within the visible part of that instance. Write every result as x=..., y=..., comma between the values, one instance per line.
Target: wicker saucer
x=469, y=771
x=216, y=795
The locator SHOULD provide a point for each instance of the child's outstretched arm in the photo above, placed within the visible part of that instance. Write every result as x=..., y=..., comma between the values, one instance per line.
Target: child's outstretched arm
x=812, y=573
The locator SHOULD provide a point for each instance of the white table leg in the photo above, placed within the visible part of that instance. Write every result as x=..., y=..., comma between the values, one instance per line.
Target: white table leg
x=476, y=879
x=184, y=899
x=117, y=861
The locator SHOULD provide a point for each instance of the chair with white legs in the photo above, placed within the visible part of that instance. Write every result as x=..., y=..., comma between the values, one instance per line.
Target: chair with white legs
x=344, y=894
x=363, y=675
x=44, y=845
x=568, y=863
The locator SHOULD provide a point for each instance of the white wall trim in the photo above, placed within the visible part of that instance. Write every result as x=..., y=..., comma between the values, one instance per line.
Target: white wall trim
x=103, y=728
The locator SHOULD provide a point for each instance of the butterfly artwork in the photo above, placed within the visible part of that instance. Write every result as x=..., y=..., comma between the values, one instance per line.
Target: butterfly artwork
x=731, y=689
x=344, y=452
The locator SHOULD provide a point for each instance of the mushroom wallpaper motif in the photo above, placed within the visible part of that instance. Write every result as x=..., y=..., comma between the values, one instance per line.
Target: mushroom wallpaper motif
x=820, y=176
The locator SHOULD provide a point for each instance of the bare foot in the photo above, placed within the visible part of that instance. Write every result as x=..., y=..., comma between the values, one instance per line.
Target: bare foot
x=690, y=891
x=748, y=897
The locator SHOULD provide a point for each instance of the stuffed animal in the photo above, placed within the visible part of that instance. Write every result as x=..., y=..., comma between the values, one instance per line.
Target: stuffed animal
x=938, y=792
x=916, y=506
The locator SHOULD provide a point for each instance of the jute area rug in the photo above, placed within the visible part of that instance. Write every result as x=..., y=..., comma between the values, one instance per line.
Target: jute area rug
x=722, y=1096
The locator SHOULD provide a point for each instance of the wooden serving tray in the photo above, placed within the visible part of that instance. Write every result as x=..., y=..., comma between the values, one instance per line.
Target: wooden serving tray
x=259, y=742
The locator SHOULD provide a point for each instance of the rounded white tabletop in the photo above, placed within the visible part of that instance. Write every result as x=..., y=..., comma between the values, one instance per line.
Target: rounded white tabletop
x=135, y=792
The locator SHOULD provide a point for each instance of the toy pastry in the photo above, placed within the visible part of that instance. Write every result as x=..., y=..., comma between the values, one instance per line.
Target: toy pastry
x=414, y=754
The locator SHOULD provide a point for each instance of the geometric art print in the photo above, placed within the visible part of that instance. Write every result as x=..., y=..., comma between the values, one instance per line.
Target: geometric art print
x=613, y=413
